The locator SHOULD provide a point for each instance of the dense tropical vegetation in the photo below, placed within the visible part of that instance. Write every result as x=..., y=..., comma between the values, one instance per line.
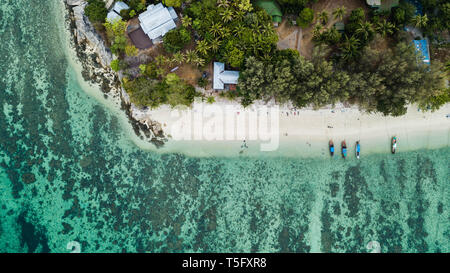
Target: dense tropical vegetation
x=96, y=11
x=305, y=17
x=231, y=31
x=144, y=91
x=379, y=81
x=176, y=39
x=370, y=61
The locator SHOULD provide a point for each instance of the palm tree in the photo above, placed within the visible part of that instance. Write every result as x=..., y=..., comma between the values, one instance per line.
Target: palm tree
x=237, y=30
x=190, y=56
x=365, y=29
x=339, y=13
x=244, y=6
x=420, y=21
x=202, y=47
x=266, y=28
x=199, y=61
x=178, y=58
x=223, y=3
x=216, y=29
x=161, y=60
x=350, y=47
x=266, y=57
x=239, y=14
x=215, y=44
x=323, y=17
x=226, y=32
x=257, y=48
x=317, y=29
x=227, y=15
x=333, y=36
x=186, y=21
x=160, y=71
x=385, y=27
x=317, y=32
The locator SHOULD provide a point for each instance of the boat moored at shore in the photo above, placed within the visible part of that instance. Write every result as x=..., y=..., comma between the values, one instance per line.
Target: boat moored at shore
x=394, y=145
x=331, y=147
x=358, y=149
x=344, y=149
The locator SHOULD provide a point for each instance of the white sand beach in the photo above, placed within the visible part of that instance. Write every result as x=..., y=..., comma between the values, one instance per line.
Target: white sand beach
x=306, y=132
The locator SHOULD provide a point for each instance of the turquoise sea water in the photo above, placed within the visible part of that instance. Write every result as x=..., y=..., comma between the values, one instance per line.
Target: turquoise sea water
x=68, y=172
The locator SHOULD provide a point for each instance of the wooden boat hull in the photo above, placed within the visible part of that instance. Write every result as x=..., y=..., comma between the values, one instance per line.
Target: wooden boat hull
x=394, y=145
x=358, y=149
x=344, y=149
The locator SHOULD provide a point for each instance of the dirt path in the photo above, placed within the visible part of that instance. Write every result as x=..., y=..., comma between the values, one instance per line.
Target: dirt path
x=299, y=39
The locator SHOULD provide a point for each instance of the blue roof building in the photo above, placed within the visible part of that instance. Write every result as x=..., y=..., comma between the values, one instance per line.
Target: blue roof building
x=422, y=47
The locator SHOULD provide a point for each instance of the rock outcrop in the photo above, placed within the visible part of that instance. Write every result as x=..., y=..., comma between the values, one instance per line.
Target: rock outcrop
x=85, y=32
x=75, y=2
x=95, y=58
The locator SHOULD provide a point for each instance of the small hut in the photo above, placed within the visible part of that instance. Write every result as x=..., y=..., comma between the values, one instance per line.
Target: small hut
x=272, y=8
x=340, y=26
x=382, y=4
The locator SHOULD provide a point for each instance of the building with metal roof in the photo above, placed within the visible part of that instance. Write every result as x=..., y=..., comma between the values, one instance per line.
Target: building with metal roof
x=272, y=8
x=374, y=3
x=119, y=6
x=157, y=20
x=223, y=77
x=340, y=26
x=114, y=14
x=382, y=4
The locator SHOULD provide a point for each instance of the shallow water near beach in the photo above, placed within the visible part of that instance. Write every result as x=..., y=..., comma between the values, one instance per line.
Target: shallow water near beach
x=69, y=172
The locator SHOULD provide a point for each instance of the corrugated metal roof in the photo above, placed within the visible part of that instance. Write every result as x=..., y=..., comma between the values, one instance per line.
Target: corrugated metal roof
x=229, y=77
x=119, y=6
x=218, y=68
x=222, y=76
x=162, y=30
x=173, y=13
x=150, y=10
x=374, y=2
x=112, y=16
x=157, y=21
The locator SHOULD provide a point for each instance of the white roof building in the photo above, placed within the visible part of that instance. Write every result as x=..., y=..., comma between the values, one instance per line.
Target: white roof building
x=374, y=2
x=158, y=20
x=119, y=6
x=114, y=14
x=222, y=76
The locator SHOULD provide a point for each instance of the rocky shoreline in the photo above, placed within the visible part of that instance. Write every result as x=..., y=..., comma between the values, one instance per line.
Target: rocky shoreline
x=95, y=58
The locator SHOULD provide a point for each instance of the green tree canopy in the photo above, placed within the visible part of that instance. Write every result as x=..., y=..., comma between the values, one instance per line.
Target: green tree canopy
x=176, y=39
x=116, y=35
x=96, y=11
x=305, y=17
x=173, y=3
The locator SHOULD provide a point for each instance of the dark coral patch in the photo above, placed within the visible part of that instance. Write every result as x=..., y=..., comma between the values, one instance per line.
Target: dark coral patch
x=28, y=178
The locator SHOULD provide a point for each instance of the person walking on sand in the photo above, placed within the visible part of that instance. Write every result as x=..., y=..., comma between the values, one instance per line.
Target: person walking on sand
x=244, y=145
